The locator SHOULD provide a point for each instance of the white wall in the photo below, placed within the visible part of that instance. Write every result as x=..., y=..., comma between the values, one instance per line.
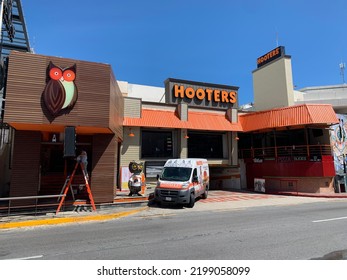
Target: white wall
x=273, y=85
x=336, y=95
x=146, y=93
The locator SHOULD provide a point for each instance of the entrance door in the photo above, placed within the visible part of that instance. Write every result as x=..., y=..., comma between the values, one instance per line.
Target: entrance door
x=55, y=167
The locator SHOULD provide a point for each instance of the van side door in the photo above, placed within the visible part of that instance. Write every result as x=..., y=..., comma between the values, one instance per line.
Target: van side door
x=197, y=182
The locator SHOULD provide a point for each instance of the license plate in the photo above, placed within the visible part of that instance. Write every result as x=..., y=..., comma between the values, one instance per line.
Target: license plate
x=168, y=198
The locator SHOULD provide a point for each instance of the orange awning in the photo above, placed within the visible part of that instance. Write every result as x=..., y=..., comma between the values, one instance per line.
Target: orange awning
x=196, y=120
x=300, y=115
x=305, y=114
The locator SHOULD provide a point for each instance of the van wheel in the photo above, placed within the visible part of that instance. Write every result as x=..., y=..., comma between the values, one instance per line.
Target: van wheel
x=205, y=194
x=191, y=201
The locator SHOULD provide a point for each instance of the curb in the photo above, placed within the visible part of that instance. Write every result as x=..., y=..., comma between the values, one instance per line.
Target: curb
x=309, y=194
x=65, y=220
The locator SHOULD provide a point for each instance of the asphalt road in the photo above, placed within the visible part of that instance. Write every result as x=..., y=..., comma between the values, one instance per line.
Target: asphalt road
x=286, y=231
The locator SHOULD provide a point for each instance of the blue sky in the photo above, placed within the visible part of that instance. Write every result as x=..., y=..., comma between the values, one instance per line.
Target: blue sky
x=215, y=41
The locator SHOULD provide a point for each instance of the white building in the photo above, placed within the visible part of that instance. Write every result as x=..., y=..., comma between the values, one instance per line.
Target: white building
x=336, y=95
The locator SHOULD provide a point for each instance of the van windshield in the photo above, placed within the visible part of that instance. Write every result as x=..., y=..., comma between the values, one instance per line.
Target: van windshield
x=176, y=173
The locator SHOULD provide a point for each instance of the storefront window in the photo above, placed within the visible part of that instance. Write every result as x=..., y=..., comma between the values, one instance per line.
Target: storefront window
x=157, y=144
x=205, y=145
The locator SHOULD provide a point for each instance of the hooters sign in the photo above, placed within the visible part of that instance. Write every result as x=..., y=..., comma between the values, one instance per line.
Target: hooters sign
x=270, y=56
x=200, y=94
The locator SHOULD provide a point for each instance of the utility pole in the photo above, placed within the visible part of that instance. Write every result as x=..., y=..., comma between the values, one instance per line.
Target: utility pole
x=1, y=17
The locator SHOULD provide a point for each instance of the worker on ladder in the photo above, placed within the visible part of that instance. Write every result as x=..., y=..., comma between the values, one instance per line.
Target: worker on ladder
x=83, y=158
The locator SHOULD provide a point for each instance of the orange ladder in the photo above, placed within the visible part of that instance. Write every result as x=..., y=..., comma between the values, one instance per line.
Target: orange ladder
x=68, y=182
x=63, y=188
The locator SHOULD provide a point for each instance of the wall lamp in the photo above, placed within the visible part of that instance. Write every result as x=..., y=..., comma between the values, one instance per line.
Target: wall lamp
x=131, y=134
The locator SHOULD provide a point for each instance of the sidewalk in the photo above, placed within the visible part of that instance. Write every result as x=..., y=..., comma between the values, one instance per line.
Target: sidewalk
x=125, y=206
x=123, y=197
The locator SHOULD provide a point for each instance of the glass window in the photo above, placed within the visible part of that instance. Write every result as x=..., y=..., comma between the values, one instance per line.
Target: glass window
x=204, y=145
x=195, y=173
x=176, y=174
x=156, y=144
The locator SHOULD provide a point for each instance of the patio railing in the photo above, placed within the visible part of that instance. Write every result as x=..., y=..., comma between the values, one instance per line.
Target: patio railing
x=6, y=209
x=300, y=152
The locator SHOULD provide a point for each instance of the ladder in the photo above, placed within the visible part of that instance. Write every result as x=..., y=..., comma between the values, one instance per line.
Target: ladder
x=63, y=188
x=68, y=183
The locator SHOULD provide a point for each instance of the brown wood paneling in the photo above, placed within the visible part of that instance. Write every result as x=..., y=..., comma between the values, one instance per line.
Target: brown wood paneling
x=25, y=165
x=104, y=168
x=96, y=103
x=116, y=108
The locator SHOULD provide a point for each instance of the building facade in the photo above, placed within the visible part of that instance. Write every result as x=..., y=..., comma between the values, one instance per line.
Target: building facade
x=285, y=143
x=285, y=146
x=336, y=96
x=191, y=119
x=45, y=96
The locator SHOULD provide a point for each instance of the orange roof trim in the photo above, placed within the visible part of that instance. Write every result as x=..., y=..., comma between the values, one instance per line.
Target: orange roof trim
x=60, y=128
x=196, y=120
x=289, y=116
x=298, y=115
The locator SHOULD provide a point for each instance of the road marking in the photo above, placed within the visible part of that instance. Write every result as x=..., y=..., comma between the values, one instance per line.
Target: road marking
x=227, y=210
x=157, y=216
x=328, y=220
x=28, y=258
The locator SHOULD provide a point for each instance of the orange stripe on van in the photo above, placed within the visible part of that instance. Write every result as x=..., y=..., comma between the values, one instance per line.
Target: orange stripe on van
x=170, y=185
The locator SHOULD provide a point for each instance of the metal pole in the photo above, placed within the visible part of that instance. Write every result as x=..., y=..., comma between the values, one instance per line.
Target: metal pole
x=344, y=171
x=36, y=201
x=275, y=142
x=1, y=17
x=307, y=144
x=2, y=95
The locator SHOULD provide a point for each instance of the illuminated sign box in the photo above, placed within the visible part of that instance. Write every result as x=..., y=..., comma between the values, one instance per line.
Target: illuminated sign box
x=270, y=56
x=200, y=94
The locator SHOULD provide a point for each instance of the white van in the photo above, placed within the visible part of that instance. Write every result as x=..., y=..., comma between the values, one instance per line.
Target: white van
x=182, y=181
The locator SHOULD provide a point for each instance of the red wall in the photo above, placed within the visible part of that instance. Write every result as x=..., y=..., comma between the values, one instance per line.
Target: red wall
x=272, y=168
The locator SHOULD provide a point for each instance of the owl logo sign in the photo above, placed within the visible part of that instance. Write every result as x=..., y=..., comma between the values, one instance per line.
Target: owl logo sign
x=60, y=92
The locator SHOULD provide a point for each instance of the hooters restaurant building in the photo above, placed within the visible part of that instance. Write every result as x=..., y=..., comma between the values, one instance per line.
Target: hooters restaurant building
x=57, y=107
x=189, y=120
x=279, y=145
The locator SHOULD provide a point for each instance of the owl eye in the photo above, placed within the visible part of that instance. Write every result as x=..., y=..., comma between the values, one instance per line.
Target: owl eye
x=69, y=75
x=55, y=73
